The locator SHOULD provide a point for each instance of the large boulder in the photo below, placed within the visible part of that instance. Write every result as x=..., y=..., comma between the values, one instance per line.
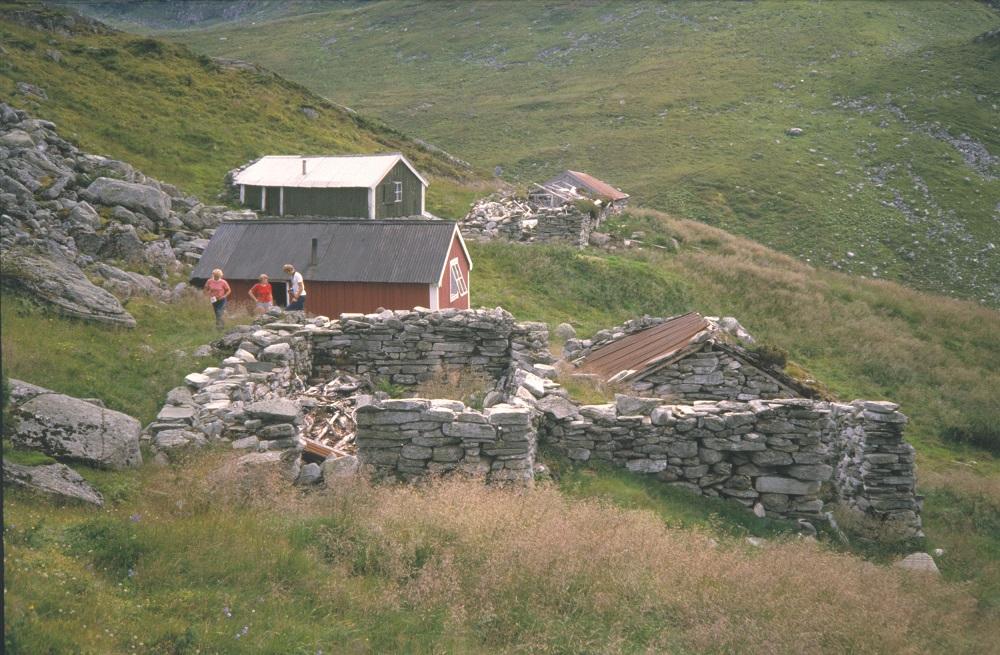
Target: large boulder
x=52, y=480
x=121, y=242
x=65, y=427
x=138, y=197
x=59, y=282
x=126, y=284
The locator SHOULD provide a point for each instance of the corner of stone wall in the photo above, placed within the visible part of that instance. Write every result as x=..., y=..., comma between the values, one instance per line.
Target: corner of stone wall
x=875, y=468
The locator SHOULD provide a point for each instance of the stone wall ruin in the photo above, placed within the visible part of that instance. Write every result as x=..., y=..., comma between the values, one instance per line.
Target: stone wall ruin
x=514, y=220
x=783, y=457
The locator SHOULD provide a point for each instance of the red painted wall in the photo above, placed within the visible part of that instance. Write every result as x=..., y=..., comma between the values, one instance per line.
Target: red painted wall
x=335, y=298
x=444, y=293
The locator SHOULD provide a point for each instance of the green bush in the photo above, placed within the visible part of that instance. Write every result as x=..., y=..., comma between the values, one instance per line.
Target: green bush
x=112, y=544
x=977, y=431
x=770, y=356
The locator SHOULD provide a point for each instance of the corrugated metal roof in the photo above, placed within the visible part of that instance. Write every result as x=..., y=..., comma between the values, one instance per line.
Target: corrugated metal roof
x=597, y=186
x=645, y=348
x=351, y=171
x=395, y=250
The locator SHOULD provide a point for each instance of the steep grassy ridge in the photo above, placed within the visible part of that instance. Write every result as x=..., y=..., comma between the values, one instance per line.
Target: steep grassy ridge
x=685, y=105
x=181, y=117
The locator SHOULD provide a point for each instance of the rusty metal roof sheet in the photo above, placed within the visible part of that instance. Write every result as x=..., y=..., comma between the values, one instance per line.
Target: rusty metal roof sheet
x=597, y=186
x=645, y=348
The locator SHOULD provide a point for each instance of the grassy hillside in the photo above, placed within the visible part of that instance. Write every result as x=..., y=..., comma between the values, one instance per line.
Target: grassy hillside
x=190, y=558
x=183, y=118
x=870, y=339
x=196, y=559
x=685, y=105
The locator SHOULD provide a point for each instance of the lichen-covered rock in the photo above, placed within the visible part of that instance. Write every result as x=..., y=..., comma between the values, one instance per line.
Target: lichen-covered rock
x=61, y=284
x=65, y=427
x=56, y=480
x=138, y=197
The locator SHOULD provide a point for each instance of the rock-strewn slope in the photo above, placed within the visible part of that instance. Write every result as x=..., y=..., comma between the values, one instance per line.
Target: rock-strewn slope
x=69, y=218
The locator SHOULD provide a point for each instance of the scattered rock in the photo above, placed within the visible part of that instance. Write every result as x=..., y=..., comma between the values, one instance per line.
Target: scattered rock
x=52, y=479
x=918, y=562
x=565, y=331
x=60, y=283
x=310, y=473
x=339, y=469
x=62, y=426
x=32, y=91
x=138, y=197
x=794, y=131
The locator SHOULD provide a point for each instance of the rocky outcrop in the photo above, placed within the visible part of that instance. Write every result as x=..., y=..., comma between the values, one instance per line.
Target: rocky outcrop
x=59, y=283
x=56, y=480
x=77, y=209
x=65, y=427
x=138, y=197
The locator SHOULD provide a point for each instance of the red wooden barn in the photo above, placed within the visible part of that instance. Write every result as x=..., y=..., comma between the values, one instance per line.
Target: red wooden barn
x=348, y=265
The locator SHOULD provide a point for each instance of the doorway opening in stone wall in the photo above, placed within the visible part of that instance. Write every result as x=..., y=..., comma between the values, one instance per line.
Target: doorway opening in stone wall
x=279, y=291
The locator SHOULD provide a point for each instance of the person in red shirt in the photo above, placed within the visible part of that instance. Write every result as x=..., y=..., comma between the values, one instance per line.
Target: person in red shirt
x=218, y=292
x=262, y=294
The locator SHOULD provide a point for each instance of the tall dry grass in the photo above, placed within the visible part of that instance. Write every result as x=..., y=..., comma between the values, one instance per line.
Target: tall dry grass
x=450, y=566
x=534, y=571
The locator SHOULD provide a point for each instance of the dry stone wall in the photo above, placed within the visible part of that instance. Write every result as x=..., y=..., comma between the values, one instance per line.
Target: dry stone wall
x=417, y=437
x=507, y=218
x=775, y=453
x=715, y=367
x=713, y=373
x=783, y=457
x=409, y=347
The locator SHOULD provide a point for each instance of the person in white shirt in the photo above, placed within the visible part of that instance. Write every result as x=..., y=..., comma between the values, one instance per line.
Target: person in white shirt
x=296, y=289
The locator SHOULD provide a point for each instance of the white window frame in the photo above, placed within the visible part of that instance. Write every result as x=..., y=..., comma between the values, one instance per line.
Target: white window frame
x=455, y=278
x=397, y=188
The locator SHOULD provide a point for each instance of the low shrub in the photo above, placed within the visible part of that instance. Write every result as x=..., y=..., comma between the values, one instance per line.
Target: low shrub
x=112, y=543
x=976, y=431
x=465, y=384
x=770, y=356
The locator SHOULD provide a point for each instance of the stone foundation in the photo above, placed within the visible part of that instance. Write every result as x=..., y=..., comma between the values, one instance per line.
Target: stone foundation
x=778, y=453
x=416, y=437
x=713, y=373
x=785, y=457
x=407, y=348
x=514, y=220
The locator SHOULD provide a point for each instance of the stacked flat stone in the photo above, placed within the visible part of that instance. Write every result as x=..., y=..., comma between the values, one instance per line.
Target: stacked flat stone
x=777, y=453
x=712, y=373
x=415, y=437
x=274, y=423
x=515, y=220
x=876, y=470
x=767, y=452
x=267, y=364
x=409, y=347
x=773, y=455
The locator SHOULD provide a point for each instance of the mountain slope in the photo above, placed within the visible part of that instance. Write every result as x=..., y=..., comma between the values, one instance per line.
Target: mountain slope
x=937, y=356
x=181, y=117
x=686, y=105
